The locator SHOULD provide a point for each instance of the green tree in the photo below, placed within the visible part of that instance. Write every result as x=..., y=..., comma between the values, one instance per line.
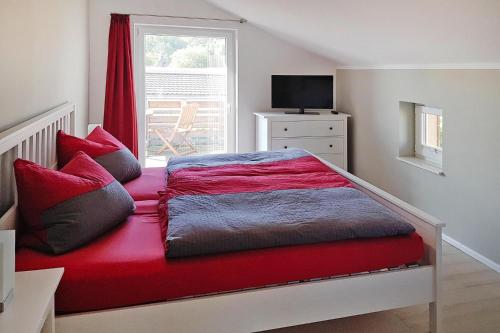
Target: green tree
x=159, y=49
x=190, y=57
x=184, y=52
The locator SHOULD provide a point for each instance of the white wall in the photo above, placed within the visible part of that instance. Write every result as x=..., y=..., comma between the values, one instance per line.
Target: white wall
x=43, y=58
x=260, y=55
x=468, y=197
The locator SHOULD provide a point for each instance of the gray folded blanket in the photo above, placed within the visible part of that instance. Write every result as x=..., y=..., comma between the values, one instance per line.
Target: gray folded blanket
x=207, y=224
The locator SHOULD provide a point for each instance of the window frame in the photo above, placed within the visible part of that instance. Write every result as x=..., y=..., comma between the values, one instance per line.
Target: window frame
x=422, y=151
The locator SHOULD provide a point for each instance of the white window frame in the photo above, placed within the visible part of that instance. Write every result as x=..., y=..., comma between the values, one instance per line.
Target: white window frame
x=141, y=29
x=422, y=151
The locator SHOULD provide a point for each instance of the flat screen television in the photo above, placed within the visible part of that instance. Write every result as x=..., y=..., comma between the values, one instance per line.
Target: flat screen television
x=302, y=92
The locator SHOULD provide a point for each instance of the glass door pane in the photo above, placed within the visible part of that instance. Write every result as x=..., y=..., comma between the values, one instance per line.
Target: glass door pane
x=433, y=128
x=185, y=95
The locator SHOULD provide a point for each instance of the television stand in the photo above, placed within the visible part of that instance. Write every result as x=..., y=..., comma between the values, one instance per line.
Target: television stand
x=325, y=135
x=301, y=111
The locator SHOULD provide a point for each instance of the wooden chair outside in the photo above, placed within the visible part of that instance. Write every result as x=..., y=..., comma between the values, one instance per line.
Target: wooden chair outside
x=180, y=132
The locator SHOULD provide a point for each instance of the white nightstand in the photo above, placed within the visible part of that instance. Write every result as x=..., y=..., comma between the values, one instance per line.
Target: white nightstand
x=32, y=308
x=324, y=135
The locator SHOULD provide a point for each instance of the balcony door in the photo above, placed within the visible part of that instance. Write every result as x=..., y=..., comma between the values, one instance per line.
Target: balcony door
x=185, y=87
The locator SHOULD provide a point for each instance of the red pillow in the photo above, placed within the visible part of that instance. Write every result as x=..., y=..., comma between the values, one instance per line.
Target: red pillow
x=61, y=210
x=102, y=147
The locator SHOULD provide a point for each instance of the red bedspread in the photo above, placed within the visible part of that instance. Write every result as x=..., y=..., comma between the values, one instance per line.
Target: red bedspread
x=127, y=266
x=301, y=173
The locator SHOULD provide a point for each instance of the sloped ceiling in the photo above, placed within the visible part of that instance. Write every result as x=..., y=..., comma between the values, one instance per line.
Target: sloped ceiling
x=382, y=32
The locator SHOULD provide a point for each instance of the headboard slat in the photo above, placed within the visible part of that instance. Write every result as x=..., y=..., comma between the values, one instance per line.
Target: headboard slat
x=38, y=148
x=43, y=148
x=27, y=148
x=48, y=150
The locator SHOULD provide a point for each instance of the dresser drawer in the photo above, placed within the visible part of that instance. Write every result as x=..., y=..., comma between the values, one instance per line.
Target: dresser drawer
x=292, y=129
x=332, y=145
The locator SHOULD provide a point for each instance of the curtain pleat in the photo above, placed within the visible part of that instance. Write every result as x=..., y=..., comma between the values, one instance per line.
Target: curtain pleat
x=120, y=114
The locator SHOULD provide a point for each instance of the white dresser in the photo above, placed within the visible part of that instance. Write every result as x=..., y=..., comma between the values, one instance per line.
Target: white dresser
x=324, y=135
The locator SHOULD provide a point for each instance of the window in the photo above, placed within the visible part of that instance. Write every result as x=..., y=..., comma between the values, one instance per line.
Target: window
x=429, y=133
x=421, y=136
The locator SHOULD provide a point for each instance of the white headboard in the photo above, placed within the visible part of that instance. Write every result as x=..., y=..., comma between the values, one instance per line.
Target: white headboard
x=34, y=140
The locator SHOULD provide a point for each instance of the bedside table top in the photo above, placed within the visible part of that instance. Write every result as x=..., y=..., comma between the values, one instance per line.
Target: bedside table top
x=33, y=293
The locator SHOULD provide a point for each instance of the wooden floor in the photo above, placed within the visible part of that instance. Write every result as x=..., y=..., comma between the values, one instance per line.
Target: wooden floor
x=471, y=304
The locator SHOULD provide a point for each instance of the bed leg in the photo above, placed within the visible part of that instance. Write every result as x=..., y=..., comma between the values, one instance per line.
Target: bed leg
x=435, y=315
x=435, y=318
x=50, y=322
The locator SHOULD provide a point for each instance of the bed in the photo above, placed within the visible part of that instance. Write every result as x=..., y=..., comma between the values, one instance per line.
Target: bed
x=131, y=257
x=128, y=290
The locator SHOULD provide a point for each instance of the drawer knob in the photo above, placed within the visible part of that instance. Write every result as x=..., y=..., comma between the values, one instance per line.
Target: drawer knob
x=286, y=129
x=331, y=128
x=286, y=147
x=331, y=146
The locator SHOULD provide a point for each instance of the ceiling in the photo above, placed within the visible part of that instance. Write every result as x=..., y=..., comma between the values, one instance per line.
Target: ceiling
x=382, y=32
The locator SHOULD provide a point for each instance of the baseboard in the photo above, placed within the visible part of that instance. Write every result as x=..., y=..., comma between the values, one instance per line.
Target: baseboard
x=488, y=262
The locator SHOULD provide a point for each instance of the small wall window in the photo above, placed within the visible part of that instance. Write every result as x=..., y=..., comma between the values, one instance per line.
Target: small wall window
x=421, y=136
x=429, y=133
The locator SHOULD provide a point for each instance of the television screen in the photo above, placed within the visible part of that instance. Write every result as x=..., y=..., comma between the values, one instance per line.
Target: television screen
x=302, y=91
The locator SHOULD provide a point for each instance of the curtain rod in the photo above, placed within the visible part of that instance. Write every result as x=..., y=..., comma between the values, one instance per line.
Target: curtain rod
x=241, y=20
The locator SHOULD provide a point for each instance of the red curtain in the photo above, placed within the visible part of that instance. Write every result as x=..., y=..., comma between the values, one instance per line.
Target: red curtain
x=120, y=115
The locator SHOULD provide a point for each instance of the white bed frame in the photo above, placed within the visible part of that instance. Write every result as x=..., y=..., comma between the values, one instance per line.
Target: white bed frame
x=255, y=309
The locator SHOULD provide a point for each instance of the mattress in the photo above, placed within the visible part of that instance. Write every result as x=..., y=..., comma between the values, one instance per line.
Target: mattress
x=127, y=266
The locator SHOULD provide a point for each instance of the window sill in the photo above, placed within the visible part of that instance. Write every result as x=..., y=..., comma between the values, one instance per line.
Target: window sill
x=422, y=164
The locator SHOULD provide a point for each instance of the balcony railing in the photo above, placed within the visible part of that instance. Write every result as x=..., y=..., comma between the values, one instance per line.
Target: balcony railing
x=206, y=135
